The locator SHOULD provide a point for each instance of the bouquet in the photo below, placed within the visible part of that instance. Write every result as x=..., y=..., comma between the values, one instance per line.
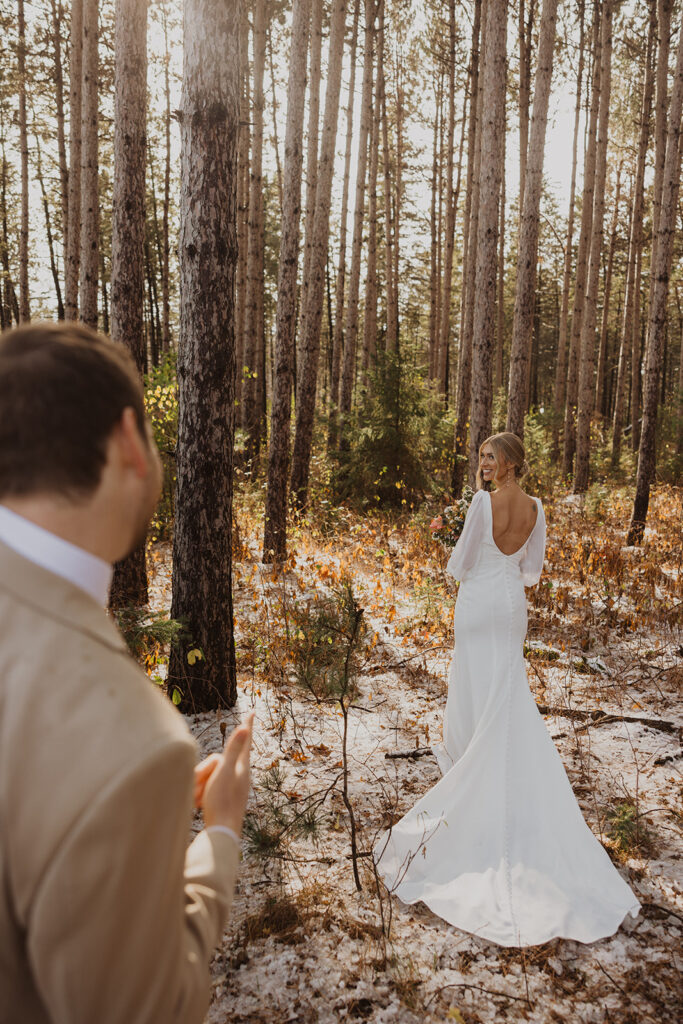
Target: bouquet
x=447, y=527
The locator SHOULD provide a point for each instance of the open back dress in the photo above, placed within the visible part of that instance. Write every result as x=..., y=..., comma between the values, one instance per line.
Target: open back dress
x=499, y=847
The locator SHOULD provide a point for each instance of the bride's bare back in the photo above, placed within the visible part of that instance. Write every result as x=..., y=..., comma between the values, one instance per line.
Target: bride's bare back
x=514, y=517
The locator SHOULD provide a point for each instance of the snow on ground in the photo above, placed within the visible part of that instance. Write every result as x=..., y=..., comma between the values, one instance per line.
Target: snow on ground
x=303, y=944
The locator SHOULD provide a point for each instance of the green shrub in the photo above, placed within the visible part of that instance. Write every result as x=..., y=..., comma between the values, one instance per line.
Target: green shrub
x=544, y=471
x=161, y=403
x=328, y=638
x=397, y=444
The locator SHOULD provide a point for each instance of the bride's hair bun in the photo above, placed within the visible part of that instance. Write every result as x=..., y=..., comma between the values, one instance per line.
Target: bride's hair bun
x=522, y=470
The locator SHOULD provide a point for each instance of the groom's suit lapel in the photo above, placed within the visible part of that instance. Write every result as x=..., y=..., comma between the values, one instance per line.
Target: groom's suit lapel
x=56, y=598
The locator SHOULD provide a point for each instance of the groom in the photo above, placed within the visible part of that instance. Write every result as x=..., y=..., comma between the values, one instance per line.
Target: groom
x=106, y=917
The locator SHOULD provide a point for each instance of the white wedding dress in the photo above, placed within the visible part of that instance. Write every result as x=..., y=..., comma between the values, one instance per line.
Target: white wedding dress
x=499, y=847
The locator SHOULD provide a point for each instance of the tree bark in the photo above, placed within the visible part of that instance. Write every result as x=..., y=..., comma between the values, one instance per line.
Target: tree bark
x=312, y=146
x=57, y=17
x=500, y=305
x=464, y=376
x=351, y=333
x=664, y=9
x=166, y=247
x=525, y=30
x=522, y=328
x=600, y=377
x=254, y=382
x=560, y=386
x=492, y=128
x=90, y=201
x=11, y=302
x=679, y=399
x=73, y=228
x=24, y=303
x=445, y=302
x=275, y=529
x=202, y=541
x=310, y=352
x=129, y=584
x=582, y=259
x=630, y=337
x=48, y=226
x=588, y=336
x=370, y=318
x=276, y=144
x=242, y=210
x=434, y=232
x=389, y=264
x=340, y=289
x=657, y=319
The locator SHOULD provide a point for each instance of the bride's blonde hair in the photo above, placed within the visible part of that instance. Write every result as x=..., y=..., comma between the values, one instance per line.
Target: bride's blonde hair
x=507, y=447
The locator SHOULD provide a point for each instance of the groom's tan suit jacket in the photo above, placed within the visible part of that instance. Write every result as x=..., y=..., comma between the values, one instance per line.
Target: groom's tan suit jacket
x=106, y=916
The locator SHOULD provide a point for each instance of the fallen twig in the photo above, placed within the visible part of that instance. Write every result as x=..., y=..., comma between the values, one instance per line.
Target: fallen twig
x=412, y=754
x=479, y=988
x=599, y=717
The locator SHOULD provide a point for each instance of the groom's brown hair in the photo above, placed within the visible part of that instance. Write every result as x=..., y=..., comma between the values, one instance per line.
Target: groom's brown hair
x=63, y=389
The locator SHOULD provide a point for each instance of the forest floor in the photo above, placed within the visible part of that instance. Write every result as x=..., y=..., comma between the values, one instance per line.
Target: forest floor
x=605, y=664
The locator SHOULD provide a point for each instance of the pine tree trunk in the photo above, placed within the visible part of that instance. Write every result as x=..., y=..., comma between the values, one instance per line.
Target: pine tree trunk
x=351, y=333
x=446, y=361
x=679, y=400
x=630, y=331
x=275, y=530
x=657, y=320
x=166, y=246
x=525, y=29
x=312, y=147
x=90, y=202
x=340, y=289
x=242, y=211
x=445, y=324
x=276, y=144
x=500, y=305
x=600, y=378
x=582, y=260
x=24, y=304
x=370, y=318
x=623, y=349
x=202, y=541
x=440, y=216
x=560, y=387
x=397, y=197
x=252, y=390
x=588, y=336
x=434, y=235
x=11, y=304
x=129, y=584
x=73, y=230
x=48, y=227
x=522, y=328
x=310, y=349
x=57, y=17
x=464, y=376
x=492, y=127
x=664, y=9
x=389, y=264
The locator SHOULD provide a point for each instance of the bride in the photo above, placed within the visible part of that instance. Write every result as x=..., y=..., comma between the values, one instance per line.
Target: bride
x=499, y=847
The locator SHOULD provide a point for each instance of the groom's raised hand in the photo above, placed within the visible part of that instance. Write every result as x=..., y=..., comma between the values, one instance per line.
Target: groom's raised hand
x=222, y=780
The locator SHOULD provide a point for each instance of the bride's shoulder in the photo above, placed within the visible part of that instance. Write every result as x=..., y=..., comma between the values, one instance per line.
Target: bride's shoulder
x=536, y=501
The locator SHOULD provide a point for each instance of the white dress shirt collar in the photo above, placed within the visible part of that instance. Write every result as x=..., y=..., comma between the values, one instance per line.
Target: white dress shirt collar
x=58, y=556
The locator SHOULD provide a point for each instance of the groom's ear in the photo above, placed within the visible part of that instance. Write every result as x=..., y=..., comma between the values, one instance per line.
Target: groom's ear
x=132, y=446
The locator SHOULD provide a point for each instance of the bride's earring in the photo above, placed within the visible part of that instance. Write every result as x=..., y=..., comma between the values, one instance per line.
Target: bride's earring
x=507, y=477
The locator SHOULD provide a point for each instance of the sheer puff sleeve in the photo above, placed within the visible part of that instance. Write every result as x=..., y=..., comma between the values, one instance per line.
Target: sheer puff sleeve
x=531, y=562
x=466, y=551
